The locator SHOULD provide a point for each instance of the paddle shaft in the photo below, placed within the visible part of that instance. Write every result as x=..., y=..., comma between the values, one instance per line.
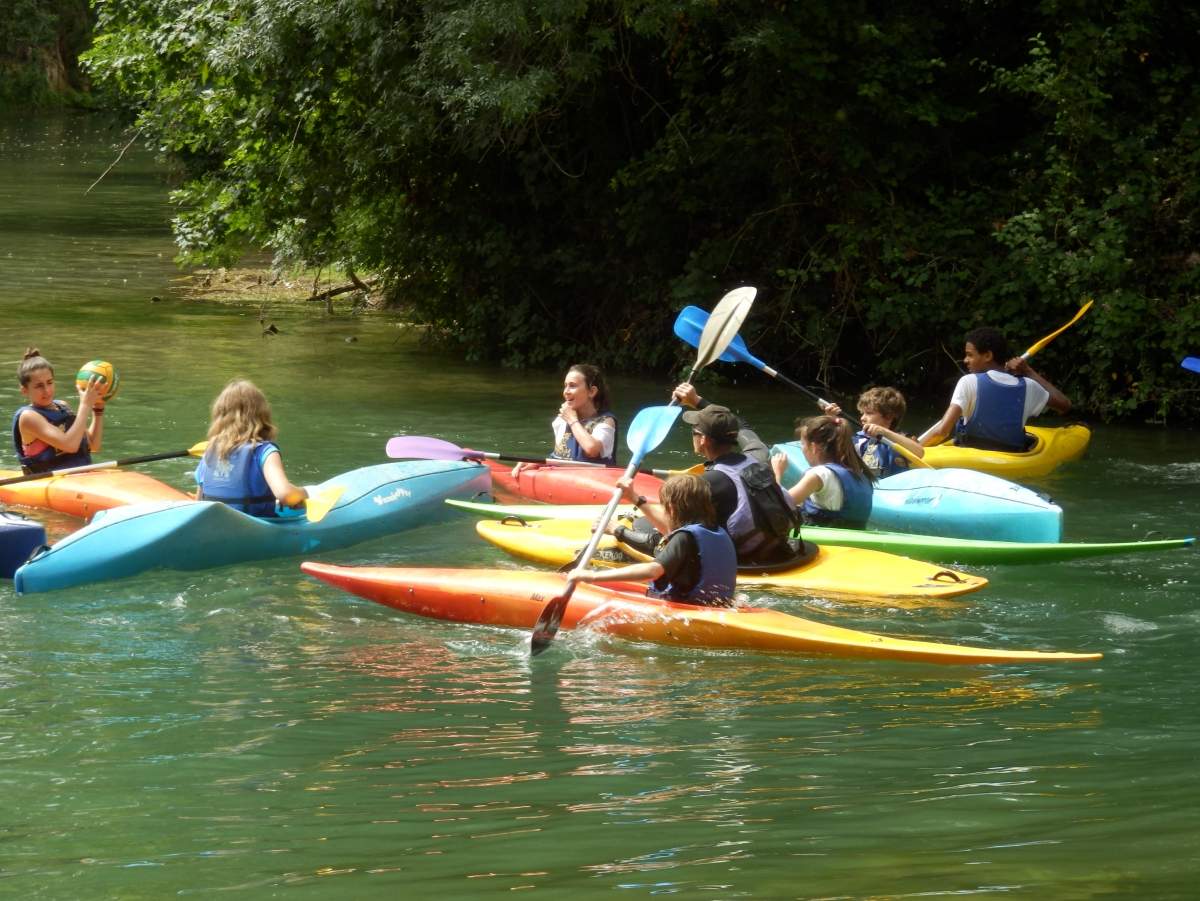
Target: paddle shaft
x=93, y=467
x=1038, y=345
x=717, y=334
x=823, y=403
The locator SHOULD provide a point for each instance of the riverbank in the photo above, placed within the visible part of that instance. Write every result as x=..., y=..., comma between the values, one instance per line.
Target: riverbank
x=251, y=286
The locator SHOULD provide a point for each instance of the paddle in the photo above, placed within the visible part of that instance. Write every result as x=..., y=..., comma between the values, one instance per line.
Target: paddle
x=196, y=450
x=317, y=506
x=1192, y=363
x=1038, y=345
x=417, y=447
x=646, y=432
x=692, y=320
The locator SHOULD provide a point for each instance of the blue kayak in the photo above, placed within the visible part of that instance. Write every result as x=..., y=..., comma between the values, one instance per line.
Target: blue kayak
x=19, y=537
x=189, y=535
x=954, y=503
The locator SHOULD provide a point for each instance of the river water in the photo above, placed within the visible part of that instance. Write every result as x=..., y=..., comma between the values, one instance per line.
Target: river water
x=248, y=731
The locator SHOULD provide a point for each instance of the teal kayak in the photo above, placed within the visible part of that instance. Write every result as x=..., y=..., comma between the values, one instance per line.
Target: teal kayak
x=188, y=535
x=956, y=503
x=930, y=548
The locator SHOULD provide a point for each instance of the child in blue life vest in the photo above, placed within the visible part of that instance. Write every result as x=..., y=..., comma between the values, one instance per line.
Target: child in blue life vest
x=992, y=402
x=880, y=410
x=46, y=434
x=696, y=563
x=836, y=489
x=585, y=429
x=242, y=466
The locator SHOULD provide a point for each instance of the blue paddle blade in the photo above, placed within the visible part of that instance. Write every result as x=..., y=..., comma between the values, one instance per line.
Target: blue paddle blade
x=689, y=325
x=648, y=429
x=1192, y=363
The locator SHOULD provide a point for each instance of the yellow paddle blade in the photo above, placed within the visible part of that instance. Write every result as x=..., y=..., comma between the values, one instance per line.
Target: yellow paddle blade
x=317, y=506
x=1050, y=337
x=197, y=450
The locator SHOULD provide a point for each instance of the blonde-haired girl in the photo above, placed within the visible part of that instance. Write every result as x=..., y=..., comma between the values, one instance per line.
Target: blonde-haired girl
x=242, y=465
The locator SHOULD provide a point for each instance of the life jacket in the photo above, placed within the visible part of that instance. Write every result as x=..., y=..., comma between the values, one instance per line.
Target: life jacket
x=879, y=457
x=238, y=481
x=569, y=448
x=998, y=421
x=718, y=569
x=856, y=502
x=765, y=513
x=50, y=458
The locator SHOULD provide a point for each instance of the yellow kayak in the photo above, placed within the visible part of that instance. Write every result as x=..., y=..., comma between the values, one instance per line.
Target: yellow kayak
x=841, y=571
x=1051, y=448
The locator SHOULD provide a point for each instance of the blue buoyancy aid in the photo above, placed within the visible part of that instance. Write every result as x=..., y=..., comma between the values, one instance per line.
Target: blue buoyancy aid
x=998, y=420
x=718, y=569
x=882, y=459
x=856, y=501
x=50, y=458
x=764, y=514
x=575, y=452
x=238, y=481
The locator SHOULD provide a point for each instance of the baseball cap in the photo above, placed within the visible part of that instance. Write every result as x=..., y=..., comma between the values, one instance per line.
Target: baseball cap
x=715, y=422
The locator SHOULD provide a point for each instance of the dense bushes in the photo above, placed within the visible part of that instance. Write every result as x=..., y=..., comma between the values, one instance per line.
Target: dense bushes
x=39, y=43
x=550, y=179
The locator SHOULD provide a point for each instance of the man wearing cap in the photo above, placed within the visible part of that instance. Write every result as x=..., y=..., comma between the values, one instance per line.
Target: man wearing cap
x=753, y=508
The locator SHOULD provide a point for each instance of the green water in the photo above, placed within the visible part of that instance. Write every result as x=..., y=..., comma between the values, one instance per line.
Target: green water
x=250, y=732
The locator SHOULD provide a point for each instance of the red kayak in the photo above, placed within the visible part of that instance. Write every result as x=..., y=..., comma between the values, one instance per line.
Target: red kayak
x=515, y=598
x=554, y=484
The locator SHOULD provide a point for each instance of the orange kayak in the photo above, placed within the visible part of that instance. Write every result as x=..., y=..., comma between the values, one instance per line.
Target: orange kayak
x=515, y=598
x=566, y=484
x=84, y=493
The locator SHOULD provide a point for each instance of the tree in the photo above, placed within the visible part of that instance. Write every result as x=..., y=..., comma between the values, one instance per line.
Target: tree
x=549, y=179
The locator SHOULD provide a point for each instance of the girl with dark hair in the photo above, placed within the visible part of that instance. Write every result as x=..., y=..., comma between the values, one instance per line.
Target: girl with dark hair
x=836, y=489
x=585, y=429
x=46, y=434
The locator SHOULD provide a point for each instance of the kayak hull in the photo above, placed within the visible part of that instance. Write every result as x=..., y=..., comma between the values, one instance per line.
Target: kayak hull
x=832, y=571
x=192, y=535
x=1051, y=448
x=19, y=537
x=931, y=548
x=86, y=493
x=514, y=599
x=568, y=484
x=955, y=503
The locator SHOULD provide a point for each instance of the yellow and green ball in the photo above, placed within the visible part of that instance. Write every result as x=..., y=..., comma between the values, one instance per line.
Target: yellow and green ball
x=102, y=370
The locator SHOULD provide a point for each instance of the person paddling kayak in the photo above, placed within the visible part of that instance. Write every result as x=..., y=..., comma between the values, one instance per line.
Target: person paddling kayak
x=750, y=505
x=47, y=435
x=695, y=563
x=993, y=401
x=242, y=466
x=585, y=429
x=836, y=489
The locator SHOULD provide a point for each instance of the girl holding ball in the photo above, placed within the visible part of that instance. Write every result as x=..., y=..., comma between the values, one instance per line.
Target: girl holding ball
x=47, y=435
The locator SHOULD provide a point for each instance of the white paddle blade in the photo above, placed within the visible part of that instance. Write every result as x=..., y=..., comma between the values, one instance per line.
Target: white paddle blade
x=723, y=324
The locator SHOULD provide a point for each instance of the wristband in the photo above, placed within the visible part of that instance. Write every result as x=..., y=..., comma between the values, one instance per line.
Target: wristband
x=641, y=499
x=97, y=411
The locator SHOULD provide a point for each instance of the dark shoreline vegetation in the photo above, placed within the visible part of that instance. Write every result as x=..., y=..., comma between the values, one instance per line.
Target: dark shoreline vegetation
x=543, y=182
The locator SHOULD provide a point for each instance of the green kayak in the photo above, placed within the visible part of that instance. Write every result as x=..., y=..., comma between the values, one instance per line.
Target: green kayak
x=932, y=548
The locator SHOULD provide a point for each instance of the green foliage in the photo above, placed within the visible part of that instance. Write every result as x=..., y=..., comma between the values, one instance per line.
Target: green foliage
x=39, y=40
x=544, y=180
